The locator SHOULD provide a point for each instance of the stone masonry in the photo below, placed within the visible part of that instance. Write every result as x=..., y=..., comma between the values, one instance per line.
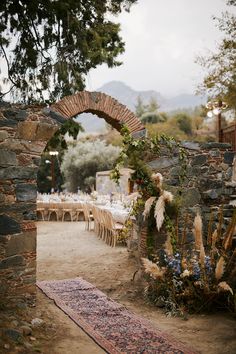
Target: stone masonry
x=24, y=133
x=208, y=186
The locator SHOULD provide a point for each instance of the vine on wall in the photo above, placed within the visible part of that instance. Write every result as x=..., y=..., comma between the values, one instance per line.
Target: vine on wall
x=135, y=154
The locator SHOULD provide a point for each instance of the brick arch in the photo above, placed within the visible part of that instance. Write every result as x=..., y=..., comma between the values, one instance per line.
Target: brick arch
x=103, y=106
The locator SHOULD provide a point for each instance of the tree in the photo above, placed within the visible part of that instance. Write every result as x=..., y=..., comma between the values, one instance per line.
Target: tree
x=50, y=46
x=80, y=163
x=220, y=80
x=153, y=105
x=184, y=122
x=140, y=108
x=153, y=117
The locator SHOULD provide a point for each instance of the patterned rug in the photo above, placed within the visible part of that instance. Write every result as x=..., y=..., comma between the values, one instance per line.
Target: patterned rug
x=109, y=324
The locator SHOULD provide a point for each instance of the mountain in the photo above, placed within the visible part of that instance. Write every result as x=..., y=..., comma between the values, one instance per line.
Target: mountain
x=127, y=96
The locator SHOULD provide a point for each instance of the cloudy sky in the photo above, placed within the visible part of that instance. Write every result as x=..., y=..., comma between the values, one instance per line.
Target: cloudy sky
x=163, y=38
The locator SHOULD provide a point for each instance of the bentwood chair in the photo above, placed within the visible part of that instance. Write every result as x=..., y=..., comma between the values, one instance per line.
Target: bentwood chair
x=114, y=230
x=87, y=216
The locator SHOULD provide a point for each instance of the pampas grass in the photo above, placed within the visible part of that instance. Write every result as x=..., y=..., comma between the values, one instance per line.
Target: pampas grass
x=148, y=205
x=152, y=269
x=202, y=256
x=213, y=239
x=168, y=248
x=219, y=271
x=157, y=178
x=228, y=239
x=197, y=231
x=223, y=286
x=166, y=197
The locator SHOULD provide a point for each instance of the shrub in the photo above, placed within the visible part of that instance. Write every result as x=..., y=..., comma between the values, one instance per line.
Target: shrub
x=196, y=279
x=81, y=162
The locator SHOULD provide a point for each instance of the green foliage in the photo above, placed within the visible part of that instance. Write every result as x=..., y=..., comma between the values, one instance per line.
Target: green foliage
x=81, y=162
x=141, y=109
x=220, y=79
x=135, y=153
x=50, y=46
x=58, y=141
x=154, y=117
x=184, y=122
x=153, y=106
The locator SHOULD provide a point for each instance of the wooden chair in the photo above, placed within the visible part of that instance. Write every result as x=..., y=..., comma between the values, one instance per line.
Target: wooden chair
x=95, y=212
x=40, y=211
x=87, y=216
x=114, y=230
x=53, y=209
x=68, y=208
x=79, y=210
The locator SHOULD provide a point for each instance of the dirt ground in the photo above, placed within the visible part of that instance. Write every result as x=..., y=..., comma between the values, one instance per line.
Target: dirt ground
x=66, y=250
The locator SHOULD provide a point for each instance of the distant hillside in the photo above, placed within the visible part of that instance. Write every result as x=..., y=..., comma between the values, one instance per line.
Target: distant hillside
x=127, y=96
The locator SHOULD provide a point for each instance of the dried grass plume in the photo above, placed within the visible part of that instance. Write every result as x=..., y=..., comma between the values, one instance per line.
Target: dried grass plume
x=168, y=246
x=166, y=197
x=219, y=271
x=152, y=269
x=148, y=206
x=197, y=231
x=223, y=286
x=157, y=178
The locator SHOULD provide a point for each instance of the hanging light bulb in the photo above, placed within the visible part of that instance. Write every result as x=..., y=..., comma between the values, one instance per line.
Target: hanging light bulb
x=216, y=111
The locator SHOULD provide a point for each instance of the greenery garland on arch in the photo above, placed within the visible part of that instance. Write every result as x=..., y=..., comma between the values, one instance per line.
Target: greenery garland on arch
x=135, y=154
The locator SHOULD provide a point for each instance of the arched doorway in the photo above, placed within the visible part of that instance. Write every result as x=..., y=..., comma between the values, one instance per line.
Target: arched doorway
x=24, y=133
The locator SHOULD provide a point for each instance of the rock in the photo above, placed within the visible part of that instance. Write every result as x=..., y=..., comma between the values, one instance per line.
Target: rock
x=212, y=194
x=56, y=116
x=21, y=115
x=209, y=183
x=8, y=225
x=26, y=330
x=37, y=322
x=190, y=145
x=7, y=158
x=163, y=162
x=213, y=145
x=13, y=334
x=32, y=338
x=191, y=197
x=3, y=135
x=6, y=346
x=199, y=160
x=8, y=122
x=26, y=192
x=229, y=157
x=20, y=172
x=27, y=130
x=215, y=153
x=12, y=261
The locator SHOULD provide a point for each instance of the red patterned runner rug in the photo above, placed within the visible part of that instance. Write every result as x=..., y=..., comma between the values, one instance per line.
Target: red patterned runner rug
x=109, y=324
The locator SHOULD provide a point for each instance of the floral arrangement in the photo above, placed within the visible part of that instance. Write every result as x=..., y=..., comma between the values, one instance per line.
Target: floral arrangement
x=198, y=278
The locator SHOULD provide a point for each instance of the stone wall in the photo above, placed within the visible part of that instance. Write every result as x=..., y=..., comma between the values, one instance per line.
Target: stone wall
x=208, y=186
x=24, y=133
